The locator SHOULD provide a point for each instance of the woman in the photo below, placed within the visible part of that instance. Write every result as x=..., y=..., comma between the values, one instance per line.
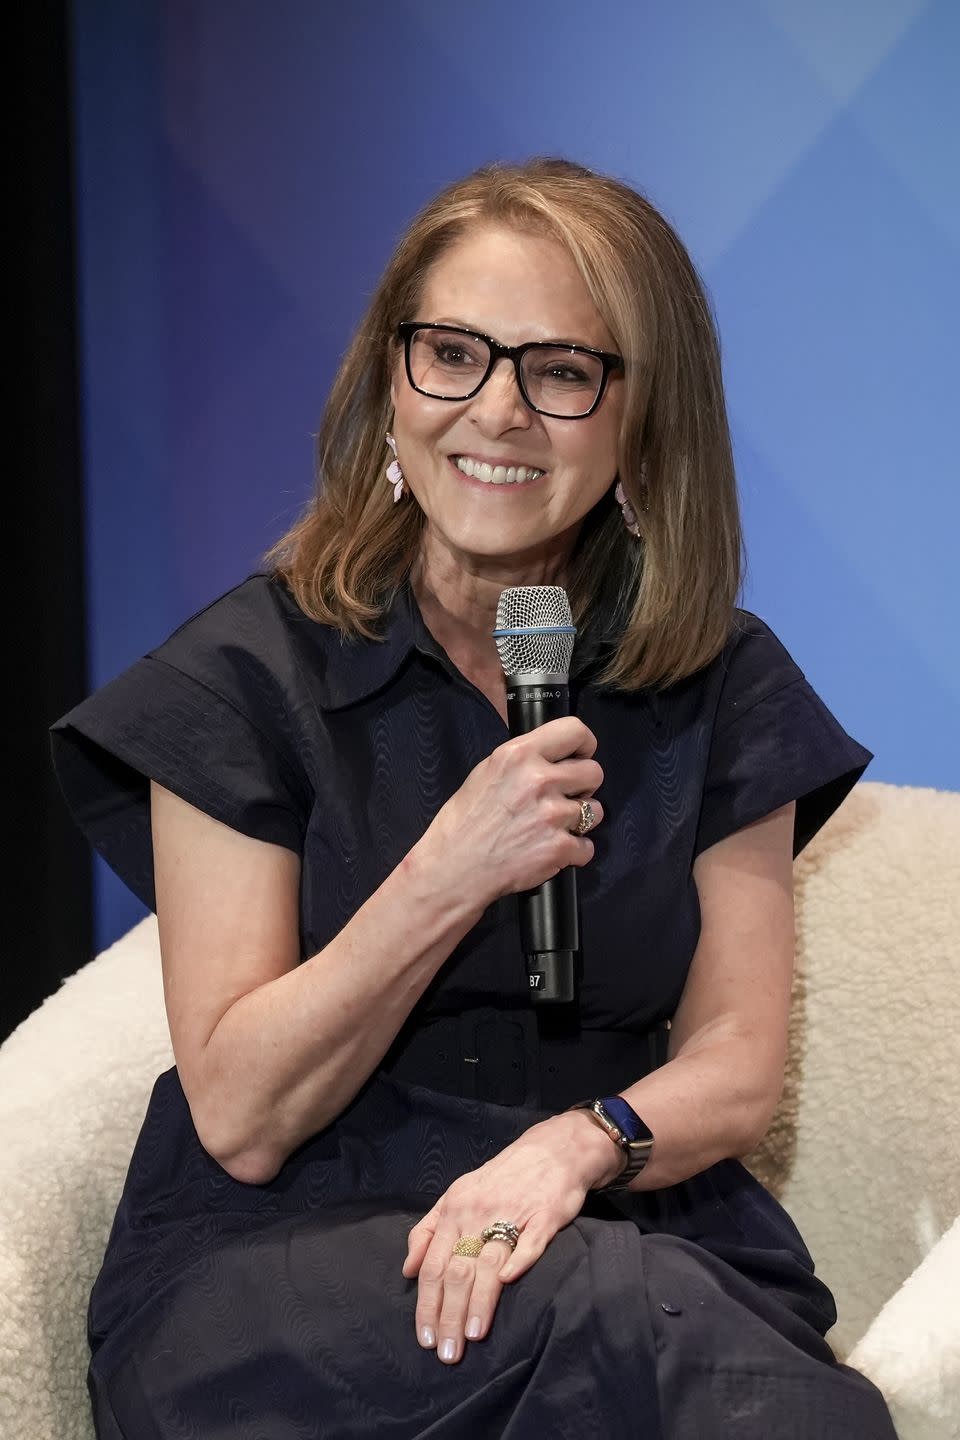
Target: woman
x=366, y=1160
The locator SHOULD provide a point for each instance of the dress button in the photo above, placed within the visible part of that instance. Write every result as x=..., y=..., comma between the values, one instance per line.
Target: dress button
x=671, y=1309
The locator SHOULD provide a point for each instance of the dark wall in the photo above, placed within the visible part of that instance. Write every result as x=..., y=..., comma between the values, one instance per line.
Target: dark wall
x=46, y=872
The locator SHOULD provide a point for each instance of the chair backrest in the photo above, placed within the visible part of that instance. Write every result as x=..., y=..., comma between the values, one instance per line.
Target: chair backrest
x=864, y=1152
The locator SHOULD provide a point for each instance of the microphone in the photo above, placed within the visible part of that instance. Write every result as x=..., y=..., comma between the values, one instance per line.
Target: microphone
x=534, y=635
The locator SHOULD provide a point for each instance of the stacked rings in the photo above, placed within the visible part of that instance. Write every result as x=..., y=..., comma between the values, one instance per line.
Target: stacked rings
x=500, y=1230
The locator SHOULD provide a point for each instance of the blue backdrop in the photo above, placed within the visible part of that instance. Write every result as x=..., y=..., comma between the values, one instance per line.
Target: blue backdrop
x=244, y=169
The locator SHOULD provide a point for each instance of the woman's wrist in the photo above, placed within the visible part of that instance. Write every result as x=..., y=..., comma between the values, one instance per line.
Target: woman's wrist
x=435, y=874
x=430, y=885
x=596, y=1158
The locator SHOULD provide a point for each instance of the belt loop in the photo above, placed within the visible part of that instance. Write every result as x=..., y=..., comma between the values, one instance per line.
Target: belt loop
x=498, y=1056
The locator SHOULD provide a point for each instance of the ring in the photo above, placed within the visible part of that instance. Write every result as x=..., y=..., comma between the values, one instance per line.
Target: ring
x=468, y=1245
x=502, y=1230
x=587, y=819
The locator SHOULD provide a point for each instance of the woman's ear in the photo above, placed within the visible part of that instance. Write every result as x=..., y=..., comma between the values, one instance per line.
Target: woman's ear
x=395, y=379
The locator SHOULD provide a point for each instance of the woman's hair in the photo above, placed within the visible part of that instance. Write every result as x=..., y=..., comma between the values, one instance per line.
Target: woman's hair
x=678, y=584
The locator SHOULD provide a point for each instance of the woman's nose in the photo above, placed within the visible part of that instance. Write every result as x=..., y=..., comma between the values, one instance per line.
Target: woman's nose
x=500, y=405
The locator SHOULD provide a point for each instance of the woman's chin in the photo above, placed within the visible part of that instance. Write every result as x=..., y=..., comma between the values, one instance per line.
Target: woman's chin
x=491, y=543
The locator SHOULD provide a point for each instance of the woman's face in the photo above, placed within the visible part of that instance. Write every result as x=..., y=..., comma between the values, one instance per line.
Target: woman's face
x=513, y=287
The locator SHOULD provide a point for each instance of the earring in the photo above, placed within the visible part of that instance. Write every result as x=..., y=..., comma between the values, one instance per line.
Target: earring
x=394, y=473
x=626, y=509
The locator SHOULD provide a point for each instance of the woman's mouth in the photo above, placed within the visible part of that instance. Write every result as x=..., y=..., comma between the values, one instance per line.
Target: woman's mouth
x=495, y=474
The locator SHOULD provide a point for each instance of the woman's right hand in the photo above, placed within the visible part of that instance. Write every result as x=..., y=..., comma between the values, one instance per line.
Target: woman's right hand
x=510, y=825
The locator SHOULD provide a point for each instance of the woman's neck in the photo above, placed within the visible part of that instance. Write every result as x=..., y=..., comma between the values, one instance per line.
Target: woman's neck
x=458, y=598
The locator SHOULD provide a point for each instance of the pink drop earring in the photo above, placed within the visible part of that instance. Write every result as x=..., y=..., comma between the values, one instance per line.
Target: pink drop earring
x=394, y=473
x=626, y=509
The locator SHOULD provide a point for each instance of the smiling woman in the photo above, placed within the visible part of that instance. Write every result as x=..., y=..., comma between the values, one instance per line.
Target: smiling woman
x=381, y=1192
x=604, y=271
x=457, y=456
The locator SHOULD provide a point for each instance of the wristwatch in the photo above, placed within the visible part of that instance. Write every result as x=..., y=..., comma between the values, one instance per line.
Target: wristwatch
x=626, y=1129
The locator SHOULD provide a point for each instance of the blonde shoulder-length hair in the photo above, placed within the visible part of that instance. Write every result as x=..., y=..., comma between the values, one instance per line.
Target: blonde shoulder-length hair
x=677, y=585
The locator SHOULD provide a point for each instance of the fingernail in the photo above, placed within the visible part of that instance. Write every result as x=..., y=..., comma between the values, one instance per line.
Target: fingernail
x=474, y=1327
x=427, y=1337
x=448, y=1349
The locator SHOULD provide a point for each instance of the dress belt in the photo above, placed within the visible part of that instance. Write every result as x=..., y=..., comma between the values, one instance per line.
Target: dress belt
x=520, y=1057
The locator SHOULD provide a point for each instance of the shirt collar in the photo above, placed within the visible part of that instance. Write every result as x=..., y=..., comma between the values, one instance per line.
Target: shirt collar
x=357, y=668
x=351, y=669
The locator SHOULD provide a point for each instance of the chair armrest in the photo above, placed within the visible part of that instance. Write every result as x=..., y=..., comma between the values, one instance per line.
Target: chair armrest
x=75, y=1079
x=912, y=1349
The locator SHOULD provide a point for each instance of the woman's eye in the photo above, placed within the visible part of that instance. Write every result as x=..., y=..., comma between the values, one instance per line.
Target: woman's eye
x=563, y=375
x=455, y=357
x=449, y=354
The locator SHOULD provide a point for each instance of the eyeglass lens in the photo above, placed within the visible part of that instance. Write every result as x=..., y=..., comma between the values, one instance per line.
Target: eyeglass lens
x=451, y=365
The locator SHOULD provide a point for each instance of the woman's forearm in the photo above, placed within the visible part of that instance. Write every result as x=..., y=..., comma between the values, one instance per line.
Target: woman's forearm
x=286, y=1058
x=709, y=1104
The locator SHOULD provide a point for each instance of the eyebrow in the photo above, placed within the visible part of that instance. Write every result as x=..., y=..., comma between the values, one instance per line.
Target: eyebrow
x=475, y=330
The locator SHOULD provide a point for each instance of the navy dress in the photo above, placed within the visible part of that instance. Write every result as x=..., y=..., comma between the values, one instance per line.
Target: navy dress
x=279, y=1311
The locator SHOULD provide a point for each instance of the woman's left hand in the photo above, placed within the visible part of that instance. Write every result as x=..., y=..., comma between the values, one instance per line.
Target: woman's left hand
x=538, y=1184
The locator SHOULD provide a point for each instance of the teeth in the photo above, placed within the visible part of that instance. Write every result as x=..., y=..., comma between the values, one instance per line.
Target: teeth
x=496, y=474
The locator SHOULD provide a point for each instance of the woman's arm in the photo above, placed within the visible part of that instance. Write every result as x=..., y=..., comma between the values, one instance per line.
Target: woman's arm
x=716, y=1095
x=270, y=1051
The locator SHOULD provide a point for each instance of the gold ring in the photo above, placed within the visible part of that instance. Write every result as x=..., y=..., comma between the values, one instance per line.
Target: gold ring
x=588, y=818
x=468, y=1245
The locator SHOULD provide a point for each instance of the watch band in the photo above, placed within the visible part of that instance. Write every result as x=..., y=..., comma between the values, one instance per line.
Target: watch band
x=627, y=1131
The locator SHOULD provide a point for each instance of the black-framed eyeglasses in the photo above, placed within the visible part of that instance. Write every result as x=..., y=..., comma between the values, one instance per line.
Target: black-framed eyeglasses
x=565, y=382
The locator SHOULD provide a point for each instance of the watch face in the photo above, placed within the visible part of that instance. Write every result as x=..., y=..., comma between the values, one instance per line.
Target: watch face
x=624, y=1115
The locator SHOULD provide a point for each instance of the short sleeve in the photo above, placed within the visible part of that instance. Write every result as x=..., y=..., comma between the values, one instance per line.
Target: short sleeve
x=156, y=722
x=773, y=741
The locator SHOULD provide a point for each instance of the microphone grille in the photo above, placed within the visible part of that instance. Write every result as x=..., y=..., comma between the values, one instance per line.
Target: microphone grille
x=535, y=630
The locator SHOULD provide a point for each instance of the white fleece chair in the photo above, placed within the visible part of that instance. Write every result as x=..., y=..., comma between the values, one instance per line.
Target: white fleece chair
x=864, y=1152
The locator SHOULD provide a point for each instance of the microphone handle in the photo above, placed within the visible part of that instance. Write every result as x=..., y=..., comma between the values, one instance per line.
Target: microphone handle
x=549, y=919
